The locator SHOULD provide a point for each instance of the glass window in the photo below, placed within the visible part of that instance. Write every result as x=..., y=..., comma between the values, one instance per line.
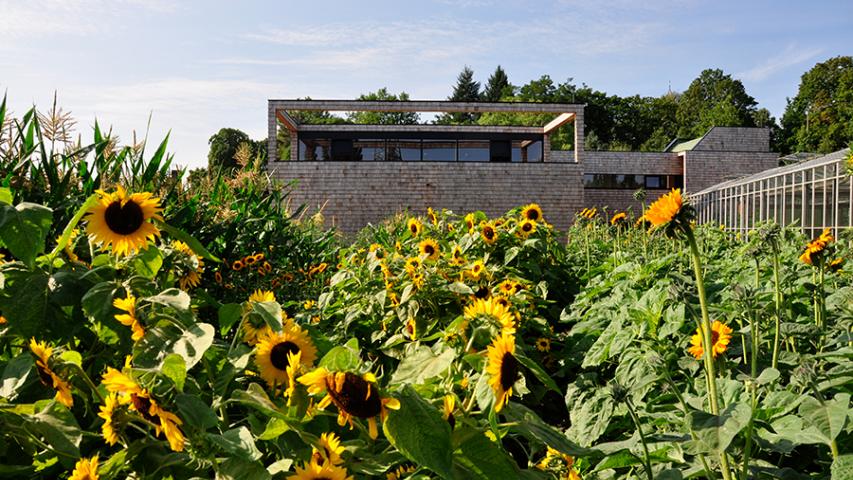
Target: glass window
x=655, y=182
x=499, y=150
x=440, y=150
x=314, y=149
x=404, y=150
x=534, y=152
x=342, y=150
x=369, y=150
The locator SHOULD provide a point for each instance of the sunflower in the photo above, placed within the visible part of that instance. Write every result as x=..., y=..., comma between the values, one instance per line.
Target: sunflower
x=556, y=460
x=85, y=469
x=237, y=265
x=526, y=228
x=128, y=305
x=328, y=450
x=2, y=320
x=273, y=349
x=412, y=328
x=47, y=376
x=431, y=215
x=488, y=232
x=503, y=368
x=414, y=227
x=665, y=209
x=400, y=472
x=253, y=328
x=469, y=222
x=191, y=277
x=532, y=212
x=355, y=396
x=449, y=406
x=720, y=337
x=815, y=249
x=456, y=258
x=413, y=264
x=508, y=287
x=314, y=471
x=619, y=219
x=429, y=248
x=475, y=270
x=543, y=344
x=492, y=310
x=834, y=266
x=107, y=410
x=121, y=221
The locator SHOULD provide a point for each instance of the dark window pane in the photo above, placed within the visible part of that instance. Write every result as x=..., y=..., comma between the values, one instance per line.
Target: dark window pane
x=439, y=150
x=534, y=152
x=342, y=150
x=404, y=150
x=314, y=149
x=499, y=150
x=369, y=150
x=654, y=181
x=676, y=181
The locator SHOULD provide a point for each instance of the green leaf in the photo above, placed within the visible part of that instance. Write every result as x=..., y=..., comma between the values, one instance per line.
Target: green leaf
x=173, y=298
x=274, y=429
x=23, y=229
x=239, y=469
x=57, y=427
x=229, y=314
x=175, y=368
x=828, y=417
x=422, y=365
x=538, y=371
x=715, y=433
x=510, y=255
x=420, y=433
x=460, y=288
x=194, y=342
x=256, y=398
x=15, y=375
x=72, y=356
x=842, y=467
x=5, y=196
x=237, y=442
x=270, y=312
x=528, y=424
x=480, y=457
x=191, y=242
x=148, y=262
x=590, y=411
x=340, y=359
x=195, y=412
x=768, y=375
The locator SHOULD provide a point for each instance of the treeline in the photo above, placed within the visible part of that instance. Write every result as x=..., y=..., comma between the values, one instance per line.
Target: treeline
x=818, y=119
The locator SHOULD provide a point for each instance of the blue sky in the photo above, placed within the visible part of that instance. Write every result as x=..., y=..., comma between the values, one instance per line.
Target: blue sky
x=198, y=66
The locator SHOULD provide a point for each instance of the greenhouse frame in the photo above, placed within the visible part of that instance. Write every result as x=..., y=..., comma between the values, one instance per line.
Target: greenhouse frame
x=813, y=195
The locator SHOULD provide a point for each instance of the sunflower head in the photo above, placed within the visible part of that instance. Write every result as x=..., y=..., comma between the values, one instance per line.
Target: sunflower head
x=531, y=212
x=476, y=270
x=503, y=369
x=493, y=311
x=429, y=248
x=470, y=222
x=619, y=220
x=526, y=228
x=543, y=344
x=414, y=226
x=85, y=469
x=275, y=351
x=449, y=406
x=107, y=412
x=671, y=213
x=816, y=249
x=488, y=232
x=121, y=221
x=190, y=267
x=721, y=335
x=456, y=257
x=836, y=265
x=328, y=450
x=317, y=471
x=431, y=216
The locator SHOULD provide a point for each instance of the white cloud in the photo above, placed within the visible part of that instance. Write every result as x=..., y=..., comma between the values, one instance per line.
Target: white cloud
x=790, y=57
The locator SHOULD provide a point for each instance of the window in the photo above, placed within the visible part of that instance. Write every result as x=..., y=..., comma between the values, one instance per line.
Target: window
x=369, y=150
x=477, y=150
x=404, y=150
x=653, y=182
x=315, y=149
x=628, y=181
x=439, y=150
x=342, y=150
x=499, y=150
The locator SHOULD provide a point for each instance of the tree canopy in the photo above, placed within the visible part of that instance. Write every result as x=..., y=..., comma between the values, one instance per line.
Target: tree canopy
x=225, y=145
x=498, y=86
x=466, y=90
x=384, y=118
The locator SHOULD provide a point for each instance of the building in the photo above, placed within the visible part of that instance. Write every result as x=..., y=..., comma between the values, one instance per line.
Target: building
x=361, y=174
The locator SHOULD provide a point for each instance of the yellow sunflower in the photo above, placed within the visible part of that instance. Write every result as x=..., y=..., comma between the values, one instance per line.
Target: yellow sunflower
x=85, y=469
x=834, y=266
x=412, y=328
x=556, y=460
x=253, y=328
x=665, y=209
x=191, y=276
x=476, y=270
x=526, y=228
x=815, y=249
x=470, y=222
x=414, y=226
x=507, y=287
x=107, y=410
x=328, y=450
x=431, y=215
x=400, y=472
x=314, y=471
x=121, y=221
x=503, y=369
x=720, y=337
x=429, y=248
x=128, y=305
x=619, y=219
x=543, y=344
x=456, y=257
x=237, y=265
x=355, y=396
x=271, y=353
x=449, y=406
x=491, y=310
x=413, y=264
x=47, y=376
x=532, y=212
x=489, y=233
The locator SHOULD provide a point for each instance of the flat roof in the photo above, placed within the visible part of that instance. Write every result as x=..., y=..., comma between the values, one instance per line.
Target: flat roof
x=436, y=106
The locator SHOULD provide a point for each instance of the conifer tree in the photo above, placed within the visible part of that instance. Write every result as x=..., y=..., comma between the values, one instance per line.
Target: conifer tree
x=466, y=90
x=497, y=86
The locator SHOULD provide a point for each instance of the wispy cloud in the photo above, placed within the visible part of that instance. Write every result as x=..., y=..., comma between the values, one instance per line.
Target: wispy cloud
x=790, y=57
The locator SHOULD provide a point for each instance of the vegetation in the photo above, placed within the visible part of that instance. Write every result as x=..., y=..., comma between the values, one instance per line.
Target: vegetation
x=150, y=329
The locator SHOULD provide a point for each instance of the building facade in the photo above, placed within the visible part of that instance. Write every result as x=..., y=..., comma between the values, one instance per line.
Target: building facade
x=360, y=174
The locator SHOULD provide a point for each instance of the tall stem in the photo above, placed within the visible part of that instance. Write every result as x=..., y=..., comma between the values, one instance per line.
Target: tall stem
x=778, y=299
x=706, y=340
x=647, y=464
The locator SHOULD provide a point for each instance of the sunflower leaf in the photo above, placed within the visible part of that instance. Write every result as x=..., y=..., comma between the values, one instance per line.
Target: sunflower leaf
x=419, y=432
x=183, y=236
x=23, y=229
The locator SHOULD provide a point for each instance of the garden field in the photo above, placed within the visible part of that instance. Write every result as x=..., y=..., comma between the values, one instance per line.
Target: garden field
x=153, y=328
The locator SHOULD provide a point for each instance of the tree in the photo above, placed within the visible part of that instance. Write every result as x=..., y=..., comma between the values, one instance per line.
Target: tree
x=384, y=118
x=223, y=147
x=498, y=86
x=820, y=117
x=466, y=90
x=714, y=99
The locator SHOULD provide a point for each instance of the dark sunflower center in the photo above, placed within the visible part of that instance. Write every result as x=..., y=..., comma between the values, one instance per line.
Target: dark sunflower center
x=489, y=233
x=126, y=219
x=356, y=397
x=45, y=377
x=279, y=352
x=533, y=215
x=482, y=292
x=429, y=250
x=509, y=371
x=143, y=405
x=527, y=227
x=714, y=337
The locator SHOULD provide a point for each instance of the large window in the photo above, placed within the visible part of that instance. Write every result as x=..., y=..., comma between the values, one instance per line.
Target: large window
x=369, y=150
x=439, y=150
x=404, y=150
x=614, y=181
x=315, y=149
x=477, y=151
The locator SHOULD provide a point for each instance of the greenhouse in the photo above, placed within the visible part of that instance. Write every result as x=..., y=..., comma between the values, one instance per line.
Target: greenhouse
x=814, y=194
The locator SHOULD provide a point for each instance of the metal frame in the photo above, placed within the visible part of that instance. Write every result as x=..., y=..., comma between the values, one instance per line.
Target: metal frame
x=813, y=195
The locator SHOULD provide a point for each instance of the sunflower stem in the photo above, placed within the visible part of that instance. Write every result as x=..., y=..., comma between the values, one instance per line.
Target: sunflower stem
x=647, y=465
x=778, y=299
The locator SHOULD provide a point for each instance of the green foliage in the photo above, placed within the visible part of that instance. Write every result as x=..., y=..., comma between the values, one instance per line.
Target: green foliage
x=384, y=118
x=714, y=99
x=466, y=90
x=225, y=150
x=497, y=87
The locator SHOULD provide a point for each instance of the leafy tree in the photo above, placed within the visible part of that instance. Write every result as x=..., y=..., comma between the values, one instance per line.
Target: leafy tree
x=384, y=118
x=714, y=99
x=466, y=90
x=820, y=117
x=223, y=147
x=498, y=86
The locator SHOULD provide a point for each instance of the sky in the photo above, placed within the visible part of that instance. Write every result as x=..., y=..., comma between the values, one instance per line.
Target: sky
x=193, y=67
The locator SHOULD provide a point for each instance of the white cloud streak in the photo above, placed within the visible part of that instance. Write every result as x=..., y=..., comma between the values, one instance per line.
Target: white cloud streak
x=790, y=57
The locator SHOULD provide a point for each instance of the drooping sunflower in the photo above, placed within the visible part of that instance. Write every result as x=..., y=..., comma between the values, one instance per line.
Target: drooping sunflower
x=470, y=222
x=489, y=233
x=85, y=469
x=128, y=305
x=414, y=226
x=328, y=450
x=456, y=257
x=532, y=212
x=122, y=222
x=526, y=228
x=254, y=328
x=815, y=249
x=559, y=461
x=431, y=215
x=314, y=471
x=429, y=248
x=503, y=368
x=836, y=265
x=353, y=395
x=721, y=335
x=493, y=311
x=619, y=219
x=271, y=353
x=191, y=273
x=449, y=406
x=107, y=411
x=47, y=376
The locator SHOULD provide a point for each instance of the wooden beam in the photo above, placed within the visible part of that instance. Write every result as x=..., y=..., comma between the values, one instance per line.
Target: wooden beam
x=558, y=122
x=286, y=120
